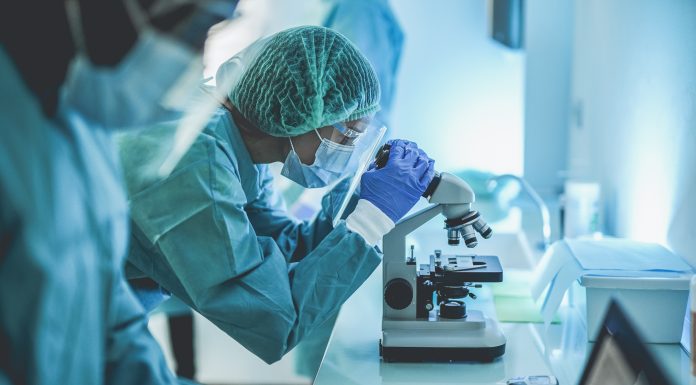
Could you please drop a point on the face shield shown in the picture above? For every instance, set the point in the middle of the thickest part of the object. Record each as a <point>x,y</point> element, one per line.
<point>339,152</point>
<point>366,147</point>
<point>339,155</point>
<point>349,133</point>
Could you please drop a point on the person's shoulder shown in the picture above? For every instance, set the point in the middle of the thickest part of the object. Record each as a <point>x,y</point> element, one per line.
<point>144,152</point>
<point>217,133</point>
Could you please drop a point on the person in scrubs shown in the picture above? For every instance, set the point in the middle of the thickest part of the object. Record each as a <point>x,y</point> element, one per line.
<point>215,232</point>
<point>67,315</point>
<point>374,28</point>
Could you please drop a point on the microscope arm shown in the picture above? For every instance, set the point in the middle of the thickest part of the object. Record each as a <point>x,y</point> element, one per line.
<point>450,196</point>
<point>394,243</point>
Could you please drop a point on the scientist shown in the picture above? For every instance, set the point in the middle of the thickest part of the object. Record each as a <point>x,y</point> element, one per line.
<point>216,234</point>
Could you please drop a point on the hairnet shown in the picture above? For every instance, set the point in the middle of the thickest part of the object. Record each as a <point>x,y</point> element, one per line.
<point>301,79</point>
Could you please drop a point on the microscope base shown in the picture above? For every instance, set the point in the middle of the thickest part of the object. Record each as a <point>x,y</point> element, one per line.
<point>475,338</point>
<point>415,354</point>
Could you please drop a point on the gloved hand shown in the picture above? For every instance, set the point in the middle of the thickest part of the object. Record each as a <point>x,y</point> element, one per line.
<point>396,187</point>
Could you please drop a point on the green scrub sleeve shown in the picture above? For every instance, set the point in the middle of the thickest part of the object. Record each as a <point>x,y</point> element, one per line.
<point>201,245</point>
<point>296,239</point>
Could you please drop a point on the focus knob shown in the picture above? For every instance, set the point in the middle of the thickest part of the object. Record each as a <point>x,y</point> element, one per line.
<point>398,293</point>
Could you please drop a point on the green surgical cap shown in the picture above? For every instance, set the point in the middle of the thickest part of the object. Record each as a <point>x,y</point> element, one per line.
<point>304,78</point>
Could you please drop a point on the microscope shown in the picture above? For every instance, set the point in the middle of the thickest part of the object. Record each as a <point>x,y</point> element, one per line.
<point>424,313</point>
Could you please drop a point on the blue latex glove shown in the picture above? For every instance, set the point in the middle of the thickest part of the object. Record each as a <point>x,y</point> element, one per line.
<point>395,188</point>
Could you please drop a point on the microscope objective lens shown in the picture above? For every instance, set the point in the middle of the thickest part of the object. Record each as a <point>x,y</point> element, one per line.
<point>469,236</point>
<point>482,227</point>
<point>453,236</point>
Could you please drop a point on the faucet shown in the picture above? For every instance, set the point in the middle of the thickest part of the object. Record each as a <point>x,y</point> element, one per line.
<point>543,209</point>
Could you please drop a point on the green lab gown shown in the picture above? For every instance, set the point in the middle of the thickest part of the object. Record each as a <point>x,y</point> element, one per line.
<point>216,234</point>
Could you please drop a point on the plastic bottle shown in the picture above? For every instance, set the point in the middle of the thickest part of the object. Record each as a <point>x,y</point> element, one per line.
<point>581,209</point>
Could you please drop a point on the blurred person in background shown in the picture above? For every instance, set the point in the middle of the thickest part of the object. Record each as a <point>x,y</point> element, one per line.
<point>70,74</point>
<point>373,27</point>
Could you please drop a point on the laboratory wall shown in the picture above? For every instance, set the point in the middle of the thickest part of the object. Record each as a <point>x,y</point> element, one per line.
<point>634,115</point>
<point>459,93</point>
<point>548,49</point>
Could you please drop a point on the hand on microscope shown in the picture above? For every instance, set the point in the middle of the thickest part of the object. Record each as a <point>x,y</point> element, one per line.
<point>396,187</point>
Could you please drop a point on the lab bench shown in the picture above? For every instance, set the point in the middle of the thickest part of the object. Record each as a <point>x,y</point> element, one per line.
<point>352,355</point>
<point>561,349</point>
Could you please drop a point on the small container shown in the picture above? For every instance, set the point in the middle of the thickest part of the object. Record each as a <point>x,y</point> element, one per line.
<point>655,305</point>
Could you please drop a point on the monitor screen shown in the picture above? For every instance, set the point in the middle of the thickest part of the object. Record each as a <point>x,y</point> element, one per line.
<point>619,357</point>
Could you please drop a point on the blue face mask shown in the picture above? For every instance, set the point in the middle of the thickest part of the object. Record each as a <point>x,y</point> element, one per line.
<point>158,76</point>
<point>331,163</point>
<point>149,82</point>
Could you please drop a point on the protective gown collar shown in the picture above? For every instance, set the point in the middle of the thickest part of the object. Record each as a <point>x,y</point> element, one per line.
<point>249,173</point>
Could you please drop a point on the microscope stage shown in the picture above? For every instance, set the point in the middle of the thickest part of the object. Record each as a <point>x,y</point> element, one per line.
<point>490,269</point>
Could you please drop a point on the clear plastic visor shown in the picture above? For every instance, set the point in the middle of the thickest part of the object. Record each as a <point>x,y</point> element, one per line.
<point>349,133</point>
